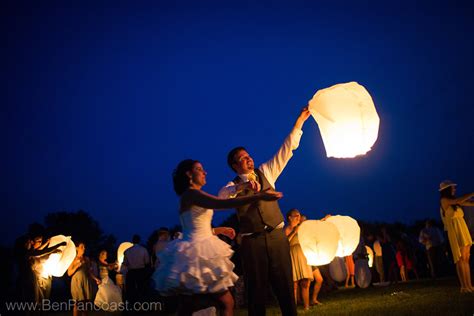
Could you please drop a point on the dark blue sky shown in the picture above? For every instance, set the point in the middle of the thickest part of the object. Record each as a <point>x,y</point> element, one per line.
<point>101,102</point>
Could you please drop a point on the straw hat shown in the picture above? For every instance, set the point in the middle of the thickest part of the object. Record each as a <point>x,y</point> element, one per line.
<point>445,184</point>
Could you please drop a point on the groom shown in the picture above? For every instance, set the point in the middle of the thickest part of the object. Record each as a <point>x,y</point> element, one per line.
<point>265,248</point>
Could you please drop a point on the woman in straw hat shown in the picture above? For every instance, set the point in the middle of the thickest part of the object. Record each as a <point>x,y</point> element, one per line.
<point>458,234</point>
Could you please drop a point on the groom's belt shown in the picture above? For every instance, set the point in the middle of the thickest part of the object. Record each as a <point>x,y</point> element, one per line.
<point>266,229</point>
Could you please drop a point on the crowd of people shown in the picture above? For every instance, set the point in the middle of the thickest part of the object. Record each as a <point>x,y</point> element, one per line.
<point>199,263</point>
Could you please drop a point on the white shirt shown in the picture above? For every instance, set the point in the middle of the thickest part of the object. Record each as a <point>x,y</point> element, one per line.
<point>270,169</point>
<point>273,167</point>
<point>136,257</point>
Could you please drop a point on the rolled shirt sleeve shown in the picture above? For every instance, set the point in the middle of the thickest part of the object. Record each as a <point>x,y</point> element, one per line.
<point>228,192</point>
<point>274,167</point>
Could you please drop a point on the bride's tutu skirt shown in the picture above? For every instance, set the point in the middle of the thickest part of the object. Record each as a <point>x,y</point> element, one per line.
<point>195,267</point>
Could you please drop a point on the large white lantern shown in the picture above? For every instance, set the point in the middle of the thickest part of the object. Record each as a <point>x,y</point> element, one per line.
<point>319,241</point>
<point>58,262</point>
<point>347,119</point>
<point>349,232</point>
<point>338,270</point>
<point>120,252</point>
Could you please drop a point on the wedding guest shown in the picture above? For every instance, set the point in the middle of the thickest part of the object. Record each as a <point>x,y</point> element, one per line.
<point>350,267</point>
<point>378,258</point>
<point>302,272</point>
<point>432,238</point>
<point>389,256</point>
<point>458,234</point>
<point>318,283</point>
<point>37,255</point>
<point>200,262</point>
<point>136,262</point>
<point>265,248</point>
<point>82,277</point>
<point>163,240</point>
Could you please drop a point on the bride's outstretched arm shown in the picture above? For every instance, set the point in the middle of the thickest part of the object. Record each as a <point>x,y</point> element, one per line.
<point>206,200</point>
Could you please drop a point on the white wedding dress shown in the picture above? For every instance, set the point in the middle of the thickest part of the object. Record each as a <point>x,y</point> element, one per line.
<point>199,263</point>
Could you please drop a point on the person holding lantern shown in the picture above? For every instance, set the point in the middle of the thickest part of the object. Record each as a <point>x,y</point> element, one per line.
<point>82,277</point>
<point>265,248</point>
<point>302,272</point>
<point>37,254</point>
<point>459,237</point>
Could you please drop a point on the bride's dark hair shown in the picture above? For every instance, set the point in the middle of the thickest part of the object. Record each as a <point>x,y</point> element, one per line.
<point>180,178</point>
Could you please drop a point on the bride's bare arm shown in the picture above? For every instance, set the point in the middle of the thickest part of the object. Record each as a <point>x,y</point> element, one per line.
<point>206,200</point>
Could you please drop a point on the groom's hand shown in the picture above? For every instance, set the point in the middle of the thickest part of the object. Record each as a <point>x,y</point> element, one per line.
<point>305,113</point>
<point>254,186</point>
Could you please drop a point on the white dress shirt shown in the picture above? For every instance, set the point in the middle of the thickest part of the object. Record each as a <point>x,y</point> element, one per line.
<point>136,257</point>
<point>272,168</point>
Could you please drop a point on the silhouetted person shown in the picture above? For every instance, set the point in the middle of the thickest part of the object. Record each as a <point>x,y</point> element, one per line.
<point>432,238</point>
<point>136,262</point>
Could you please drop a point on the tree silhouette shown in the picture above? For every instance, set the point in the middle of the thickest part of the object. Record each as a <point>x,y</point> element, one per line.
<point>81,227</point>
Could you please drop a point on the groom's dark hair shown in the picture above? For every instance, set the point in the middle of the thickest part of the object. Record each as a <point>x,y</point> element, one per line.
<point>231,154</point>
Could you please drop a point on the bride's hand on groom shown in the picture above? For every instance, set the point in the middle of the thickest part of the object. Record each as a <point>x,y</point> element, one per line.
<point>254,186</point>
<point>270,195</point>
<point>226,231</point>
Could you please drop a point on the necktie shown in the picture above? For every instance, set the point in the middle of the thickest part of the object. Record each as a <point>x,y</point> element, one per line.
<point>252,176</point>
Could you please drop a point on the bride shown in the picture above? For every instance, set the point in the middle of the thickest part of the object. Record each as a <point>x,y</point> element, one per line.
<point>200,262</point>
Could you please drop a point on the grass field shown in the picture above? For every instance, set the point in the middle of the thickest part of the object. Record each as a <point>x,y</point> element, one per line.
<point>425,297</point>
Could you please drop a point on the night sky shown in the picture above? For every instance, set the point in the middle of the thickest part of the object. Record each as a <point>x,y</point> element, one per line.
<point>102,101</point>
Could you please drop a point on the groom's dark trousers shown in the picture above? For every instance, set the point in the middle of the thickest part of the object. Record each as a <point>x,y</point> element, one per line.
<point>266,260</point>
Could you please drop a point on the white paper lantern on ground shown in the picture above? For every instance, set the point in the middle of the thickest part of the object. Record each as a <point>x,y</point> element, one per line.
<point>349,232</point>
<point>362,276</point>
<point>338,270</point>
<point>120,252</point>
<point>57,263</point>
<point>347,119</point>
<point>370,254</point>
<point>319,241</point>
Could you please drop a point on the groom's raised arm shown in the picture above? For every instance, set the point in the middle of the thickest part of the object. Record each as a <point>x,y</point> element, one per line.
<point>274,167</point>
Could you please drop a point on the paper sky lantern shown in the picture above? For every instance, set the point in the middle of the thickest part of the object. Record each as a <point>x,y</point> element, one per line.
<point>362,276</point>
<point>370,253</point>
<point>347,119</point>
<point>120,252</point>
<point>338,270</point>
<point>57,263</point>
<point>349,232</point>
<point>319,241</point>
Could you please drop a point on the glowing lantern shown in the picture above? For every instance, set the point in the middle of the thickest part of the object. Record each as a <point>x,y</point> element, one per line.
<point>370,253</point>
<point>347,119</point>
<point>349,232</point>
<point>120,252</point>
<point>319,241</point>
<point>338,270</point>
<point>58,262</point>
